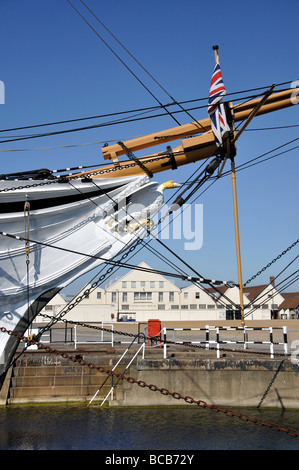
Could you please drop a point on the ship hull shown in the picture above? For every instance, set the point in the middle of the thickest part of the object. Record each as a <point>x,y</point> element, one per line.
<point>56,233</point>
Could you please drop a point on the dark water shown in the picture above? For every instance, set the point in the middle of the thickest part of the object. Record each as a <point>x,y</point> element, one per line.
<point>78,427</point>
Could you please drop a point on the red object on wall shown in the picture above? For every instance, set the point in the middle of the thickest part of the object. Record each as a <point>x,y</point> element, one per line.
<point>153,331</point>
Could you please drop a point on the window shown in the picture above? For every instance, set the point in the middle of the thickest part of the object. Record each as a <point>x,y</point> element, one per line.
<point>125,296</point>
<point>160,296</point>
<point>152,284</point>
<point>145,296</point>
<point>202,306</point>
<point>124,284</point>
<point>265,306</point>
<point>197,295</point>
<point>185,295</point>
<point>193,306</point>
<point>161,284</point>
<point>113,297</point>
<point>142,283</point>
<point>133,284</point>
<point>171,296</point>
<point>184,307</point>
<point>161,306</point>
<point>125,307</point>
<point>211,306</point>
<point>99,295</point>
<point>48,307</point>
<point>174,307</point>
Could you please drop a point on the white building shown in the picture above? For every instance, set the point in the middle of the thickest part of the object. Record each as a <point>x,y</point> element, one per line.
<point>289,308</point>
<point>142,295</point>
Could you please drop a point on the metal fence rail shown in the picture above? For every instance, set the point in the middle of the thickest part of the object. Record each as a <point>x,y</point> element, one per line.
<point>273,339</point>
<point>215,336</point>
<point>84,335</point>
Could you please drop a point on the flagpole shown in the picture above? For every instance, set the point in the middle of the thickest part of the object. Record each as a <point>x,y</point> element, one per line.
<point>240,282</point>
<point>215,49</point>
<point>236,220</point>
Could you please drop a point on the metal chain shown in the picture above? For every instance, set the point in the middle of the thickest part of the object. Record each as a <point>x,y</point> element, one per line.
<point>164,391</point>
<point>272,262</point>
<point>95,284</point>
<point>85,175</point>
<point>271,383</point>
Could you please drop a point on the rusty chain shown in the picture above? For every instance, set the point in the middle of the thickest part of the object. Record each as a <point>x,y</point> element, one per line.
<point>164,391</point>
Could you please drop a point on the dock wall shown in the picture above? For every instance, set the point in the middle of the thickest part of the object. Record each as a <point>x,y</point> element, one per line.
<point>225,382</point>
<point>228,381</point>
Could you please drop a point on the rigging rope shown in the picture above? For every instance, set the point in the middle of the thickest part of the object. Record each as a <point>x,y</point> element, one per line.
<point>125,65</point>
<point>114,263</point>
<point>152,108</point>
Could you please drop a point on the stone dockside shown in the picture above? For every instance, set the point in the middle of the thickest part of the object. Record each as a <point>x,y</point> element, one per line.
<point>233,380</point>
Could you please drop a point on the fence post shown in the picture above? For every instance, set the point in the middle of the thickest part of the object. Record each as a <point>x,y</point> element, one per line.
<point>207,337</point>
<point>271,342</point>
<point>164,338</point>
<point>75,328</point>
<point>285,339</point>
<point>217,340</point>
<point>245,337</point>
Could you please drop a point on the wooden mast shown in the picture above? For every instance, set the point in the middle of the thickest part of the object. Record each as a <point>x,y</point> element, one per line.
<point>236,220</point>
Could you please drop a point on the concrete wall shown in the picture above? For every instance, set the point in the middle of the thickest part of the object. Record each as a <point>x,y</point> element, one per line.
<point>226,382</point>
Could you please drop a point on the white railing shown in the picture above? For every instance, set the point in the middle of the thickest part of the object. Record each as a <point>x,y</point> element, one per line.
<point>93,336</point>
<point>210,337</point>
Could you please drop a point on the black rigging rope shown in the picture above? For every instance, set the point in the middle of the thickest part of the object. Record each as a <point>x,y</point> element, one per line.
<point>120,59</point>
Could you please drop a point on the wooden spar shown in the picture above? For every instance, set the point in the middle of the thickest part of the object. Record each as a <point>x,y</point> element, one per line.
<point>191,150</point>
<point>253,113</point>
<point>241,111</point>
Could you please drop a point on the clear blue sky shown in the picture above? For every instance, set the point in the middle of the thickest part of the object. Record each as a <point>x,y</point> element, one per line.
<point>55,68</point>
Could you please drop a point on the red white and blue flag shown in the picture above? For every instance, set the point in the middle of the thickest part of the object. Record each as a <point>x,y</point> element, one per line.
<point>215,106</point>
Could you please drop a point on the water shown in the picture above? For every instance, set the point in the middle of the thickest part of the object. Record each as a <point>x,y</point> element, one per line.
<point>78,427</point>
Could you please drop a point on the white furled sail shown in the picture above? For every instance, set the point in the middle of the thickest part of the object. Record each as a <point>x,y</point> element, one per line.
<point>70,228</point>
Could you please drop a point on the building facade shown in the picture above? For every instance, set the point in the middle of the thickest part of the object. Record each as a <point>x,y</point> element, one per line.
<point>142,295</point>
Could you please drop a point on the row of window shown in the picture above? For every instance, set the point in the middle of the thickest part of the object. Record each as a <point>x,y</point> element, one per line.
<point>145,295</point>
<point>141,296</point>
<point>186,307</point>
<point>176,307</point>
<point>133,284</point>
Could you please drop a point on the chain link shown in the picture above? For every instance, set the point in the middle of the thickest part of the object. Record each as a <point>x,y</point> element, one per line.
<point>67,178</point>
<point>271,383</point>
<point>271,262</point>
<point>164,391</point>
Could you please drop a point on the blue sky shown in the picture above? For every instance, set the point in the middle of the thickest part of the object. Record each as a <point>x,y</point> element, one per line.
<point>55,68</point>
